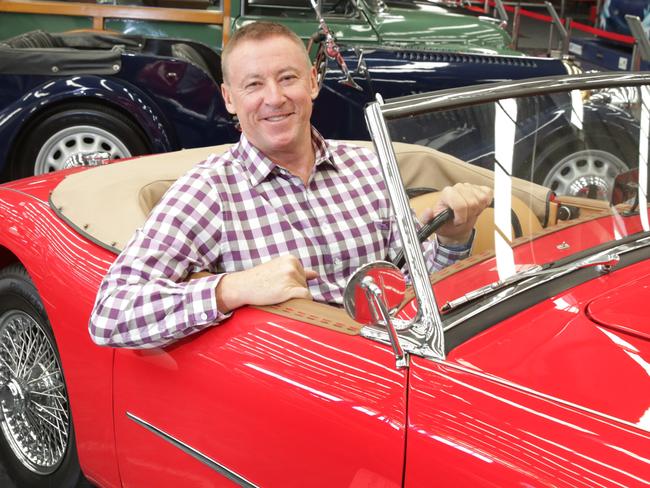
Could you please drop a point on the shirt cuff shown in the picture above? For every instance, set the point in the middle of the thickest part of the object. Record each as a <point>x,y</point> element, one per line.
<point>458,248</point>
<point>201,301</point>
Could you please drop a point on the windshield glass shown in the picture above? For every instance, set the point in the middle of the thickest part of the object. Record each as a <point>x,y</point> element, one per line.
<point>564,167</point>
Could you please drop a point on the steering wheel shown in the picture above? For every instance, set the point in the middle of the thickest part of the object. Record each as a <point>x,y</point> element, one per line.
<point>426,231</point>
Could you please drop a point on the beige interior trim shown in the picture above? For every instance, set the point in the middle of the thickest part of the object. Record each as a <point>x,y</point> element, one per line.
<point>586,205</point>
<point>104,202</point>
<point>315,313</point>
<point>449,170</point>
<point>110,202</point>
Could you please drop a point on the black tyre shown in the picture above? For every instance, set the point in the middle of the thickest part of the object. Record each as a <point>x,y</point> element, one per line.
<point>74,129</point>
<point>572,167</point>
<point>37,442</point>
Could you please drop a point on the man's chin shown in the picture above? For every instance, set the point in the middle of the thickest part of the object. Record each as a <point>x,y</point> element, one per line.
<point>279,143</point>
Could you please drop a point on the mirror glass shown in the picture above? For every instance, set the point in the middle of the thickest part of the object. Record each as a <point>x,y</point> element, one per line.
<point>357,301</point>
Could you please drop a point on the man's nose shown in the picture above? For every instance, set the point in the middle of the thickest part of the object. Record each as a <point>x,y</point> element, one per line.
<point>274,94</point>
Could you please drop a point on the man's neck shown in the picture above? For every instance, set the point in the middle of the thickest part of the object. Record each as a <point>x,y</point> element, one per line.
<point>299,161</point>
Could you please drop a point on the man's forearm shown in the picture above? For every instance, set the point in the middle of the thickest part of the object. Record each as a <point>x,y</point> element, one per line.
<point>153,313</point>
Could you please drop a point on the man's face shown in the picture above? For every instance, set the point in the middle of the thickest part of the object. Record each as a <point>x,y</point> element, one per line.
<point>271,87</point>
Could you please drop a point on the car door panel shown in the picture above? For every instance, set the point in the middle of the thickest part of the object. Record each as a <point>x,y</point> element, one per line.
<point>467,429</point>
<point>275,401</point>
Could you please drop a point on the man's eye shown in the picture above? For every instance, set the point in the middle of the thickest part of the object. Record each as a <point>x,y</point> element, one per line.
<point>252,84</point>
<point>288,78</point>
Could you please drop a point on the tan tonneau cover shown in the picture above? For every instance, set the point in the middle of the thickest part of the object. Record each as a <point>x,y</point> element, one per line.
<point>109,202</point>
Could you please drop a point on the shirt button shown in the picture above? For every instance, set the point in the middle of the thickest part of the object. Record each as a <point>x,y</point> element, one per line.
<point>204,316</point>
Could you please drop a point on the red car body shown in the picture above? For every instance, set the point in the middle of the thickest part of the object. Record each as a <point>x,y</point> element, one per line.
<point>550,387</point>
<point>284,403</point>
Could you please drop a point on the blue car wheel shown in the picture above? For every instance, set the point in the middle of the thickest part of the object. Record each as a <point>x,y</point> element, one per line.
<point>72,130</point>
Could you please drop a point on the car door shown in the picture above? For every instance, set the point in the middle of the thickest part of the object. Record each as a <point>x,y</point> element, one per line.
<point>260,400</point>
<point>467,428</point>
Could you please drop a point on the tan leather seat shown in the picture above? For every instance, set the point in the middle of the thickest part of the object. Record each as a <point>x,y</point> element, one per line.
<point>151,193</point>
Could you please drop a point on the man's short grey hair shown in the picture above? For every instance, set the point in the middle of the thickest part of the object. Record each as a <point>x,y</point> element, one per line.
<point>258,31</point>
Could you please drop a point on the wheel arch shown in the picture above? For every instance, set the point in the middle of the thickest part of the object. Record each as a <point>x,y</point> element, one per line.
<point>157,131</point>
<point>42,113</point>
<point>7,257</point>
<point>102,469</point>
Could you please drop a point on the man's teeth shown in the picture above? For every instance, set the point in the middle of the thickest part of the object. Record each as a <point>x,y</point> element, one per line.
<point>275,118</point>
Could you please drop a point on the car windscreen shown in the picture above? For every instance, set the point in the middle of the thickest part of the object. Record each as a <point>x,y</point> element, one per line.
<point>564,165</point>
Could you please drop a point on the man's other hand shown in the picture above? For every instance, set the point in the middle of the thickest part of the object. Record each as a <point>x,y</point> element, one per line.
<point>269,283</point>
<point>467,201</point>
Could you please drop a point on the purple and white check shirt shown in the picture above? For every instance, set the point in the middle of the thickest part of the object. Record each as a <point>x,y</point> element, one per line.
<point>238,210</point>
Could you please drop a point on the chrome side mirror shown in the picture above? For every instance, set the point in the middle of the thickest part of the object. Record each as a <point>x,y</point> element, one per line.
<point>371,294</point>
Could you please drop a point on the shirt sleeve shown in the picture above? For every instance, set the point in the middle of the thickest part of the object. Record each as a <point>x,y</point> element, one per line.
<point>146,299</point>
<point>438,256</point>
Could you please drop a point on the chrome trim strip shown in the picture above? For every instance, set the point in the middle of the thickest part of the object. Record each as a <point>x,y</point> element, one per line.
<point>535,281</point>
<point>196,454</point>
<point>490,92</point>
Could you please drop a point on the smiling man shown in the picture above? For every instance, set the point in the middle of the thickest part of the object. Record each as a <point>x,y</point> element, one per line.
<point>283,214</point>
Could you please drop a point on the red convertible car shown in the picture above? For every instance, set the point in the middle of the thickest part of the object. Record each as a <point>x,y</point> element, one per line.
<point>526,364</point>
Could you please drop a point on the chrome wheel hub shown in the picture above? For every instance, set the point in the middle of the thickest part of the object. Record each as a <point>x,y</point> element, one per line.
<point>80,139</point>
<point>587,173</point>
<point>34,410</point>
<point>12,398</point>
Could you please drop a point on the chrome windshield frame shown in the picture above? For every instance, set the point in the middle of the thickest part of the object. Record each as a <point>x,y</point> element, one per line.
<point>490,92</point>
<point>426,328</point>
<point>424,335</point>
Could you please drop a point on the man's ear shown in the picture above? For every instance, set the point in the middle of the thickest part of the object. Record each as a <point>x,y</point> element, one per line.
<point>313,83</point>
<point>225,93</point>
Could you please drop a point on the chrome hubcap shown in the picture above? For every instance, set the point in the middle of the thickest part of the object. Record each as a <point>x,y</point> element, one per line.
<point>34,410</point>
<point>587,173</point>
<point>80,139</point>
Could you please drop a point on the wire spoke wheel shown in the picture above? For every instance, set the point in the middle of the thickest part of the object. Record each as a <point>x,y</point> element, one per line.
<point>33,399</point>
<point>81,139</point>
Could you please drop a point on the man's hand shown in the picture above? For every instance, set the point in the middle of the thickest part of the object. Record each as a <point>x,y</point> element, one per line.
<point>273,282</point>
<point>467,201</point>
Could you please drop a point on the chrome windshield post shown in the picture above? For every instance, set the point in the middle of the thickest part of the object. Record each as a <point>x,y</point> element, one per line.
<point>426,327</point>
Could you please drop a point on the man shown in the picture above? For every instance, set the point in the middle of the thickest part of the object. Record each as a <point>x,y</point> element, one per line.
<point>284,214</point>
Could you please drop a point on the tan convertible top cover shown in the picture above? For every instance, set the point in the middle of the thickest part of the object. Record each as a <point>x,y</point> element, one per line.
<point>108,203</point>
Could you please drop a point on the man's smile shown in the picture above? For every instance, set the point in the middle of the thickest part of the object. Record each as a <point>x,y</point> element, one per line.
<point>277,117</point>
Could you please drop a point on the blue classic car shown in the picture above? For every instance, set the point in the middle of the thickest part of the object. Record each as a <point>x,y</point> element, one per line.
<point>118,96</point>
<point>89,93</point>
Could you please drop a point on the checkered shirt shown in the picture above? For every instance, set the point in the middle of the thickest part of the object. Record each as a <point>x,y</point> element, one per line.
<point>238,210</point>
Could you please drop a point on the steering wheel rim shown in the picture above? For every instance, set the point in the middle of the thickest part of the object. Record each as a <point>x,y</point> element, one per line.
<point>425,232</point>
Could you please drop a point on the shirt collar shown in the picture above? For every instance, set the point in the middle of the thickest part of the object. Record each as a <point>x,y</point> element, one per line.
<point>259,166</point>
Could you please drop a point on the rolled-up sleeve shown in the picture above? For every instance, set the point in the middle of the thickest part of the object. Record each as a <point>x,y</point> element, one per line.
<point>146,299</point>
